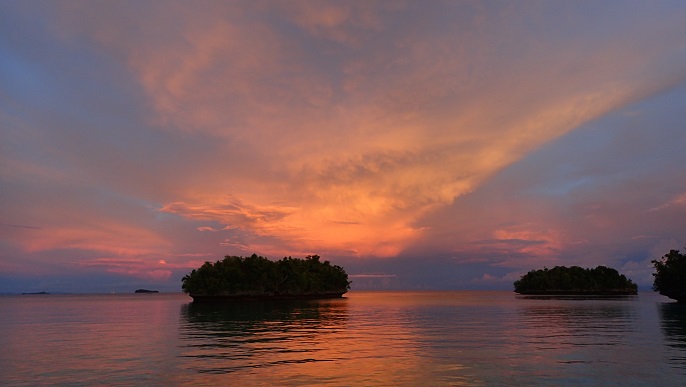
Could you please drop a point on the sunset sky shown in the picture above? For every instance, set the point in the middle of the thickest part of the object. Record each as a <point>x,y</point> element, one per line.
<point>420,145</point>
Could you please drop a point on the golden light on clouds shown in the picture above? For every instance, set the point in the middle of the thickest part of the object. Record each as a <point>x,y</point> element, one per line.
<point>112,239</point>
<point>351,129</point>
<point>353,198</point>
<point>354,156</point>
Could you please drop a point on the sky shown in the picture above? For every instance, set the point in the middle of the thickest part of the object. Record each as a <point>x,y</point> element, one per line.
<point>420,145</point>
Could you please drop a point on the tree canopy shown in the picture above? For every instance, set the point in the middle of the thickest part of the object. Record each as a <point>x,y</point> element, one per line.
<point>670,275</point>
<point>258,276</point>
<point>575,280</point>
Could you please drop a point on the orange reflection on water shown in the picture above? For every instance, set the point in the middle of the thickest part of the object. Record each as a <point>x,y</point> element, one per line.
<point>64,336</point>
<point>313,342</point>
<point>367,338</point>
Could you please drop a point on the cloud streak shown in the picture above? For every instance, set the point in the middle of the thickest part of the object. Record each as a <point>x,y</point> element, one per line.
<point>405,151</point>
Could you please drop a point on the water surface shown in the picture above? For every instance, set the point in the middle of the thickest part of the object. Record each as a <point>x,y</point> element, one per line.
<point>366,338</point>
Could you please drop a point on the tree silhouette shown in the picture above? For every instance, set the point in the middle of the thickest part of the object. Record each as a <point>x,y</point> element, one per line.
<point>575,280</point>
<point>670,275</point>
<point>257,276</point>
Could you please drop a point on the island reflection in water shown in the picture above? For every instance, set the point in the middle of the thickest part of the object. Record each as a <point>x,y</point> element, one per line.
<point>673,326</point>
<point>368,340</point>
<point>451,338</point>
<point>238,336</point>
<point>584,336</point>
<point>577,321</point>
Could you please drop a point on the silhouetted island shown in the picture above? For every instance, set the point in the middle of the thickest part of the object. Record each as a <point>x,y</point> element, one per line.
<point>37,293</point>
<point>575,280</point>
<point>670,275</point>
<point>256,277</point>
<point>146,291</point>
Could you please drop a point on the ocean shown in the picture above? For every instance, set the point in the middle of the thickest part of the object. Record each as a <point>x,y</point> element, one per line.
<point>471,338</point>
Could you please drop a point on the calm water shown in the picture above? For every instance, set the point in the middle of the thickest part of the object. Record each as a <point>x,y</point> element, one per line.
<point>399,338</point>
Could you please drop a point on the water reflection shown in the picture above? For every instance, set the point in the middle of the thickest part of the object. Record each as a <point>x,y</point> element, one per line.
<point>585,336</point>
<point>557,324</point>
<point>578,297</point>
<point>251,315</point>
<point>361,340</point>
<point>673,324</point>
<point>231,337</point>
<point>369,338</point>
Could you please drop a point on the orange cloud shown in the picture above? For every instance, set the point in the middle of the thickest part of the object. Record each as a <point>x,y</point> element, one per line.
<point>109,238</point>
<point>679,200</point>
<point>353,168</point>
<point>351,122</point>
<point>132,267</point>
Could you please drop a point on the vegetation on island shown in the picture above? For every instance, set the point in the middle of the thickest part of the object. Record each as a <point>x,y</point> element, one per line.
<point>575,280</point>
<point>146,291</point>
<point>258,277</point>
<point>670,275</point>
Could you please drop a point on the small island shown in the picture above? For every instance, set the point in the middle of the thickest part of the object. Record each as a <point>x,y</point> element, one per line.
<point>146,291</point>
<point>561,280</point>
<point>256,277</point>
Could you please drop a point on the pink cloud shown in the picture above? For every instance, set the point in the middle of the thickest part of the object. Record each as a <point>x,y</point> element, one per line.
<point>401,156</point>
<point>139,268</point>
<point>114,238</point>
<point>206,228</point>
<point>358,129</point>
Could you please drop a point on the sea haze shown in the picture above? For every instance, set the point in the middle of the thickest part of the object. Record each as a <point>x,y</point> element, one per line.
<point>365,338</point>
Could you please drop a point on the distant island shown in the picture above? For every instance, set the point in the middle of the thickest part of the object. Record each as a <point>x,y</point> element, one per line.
<point>575,280</point>
<point>146,291</point>
<point>256,277</point>
<point>37,293</point>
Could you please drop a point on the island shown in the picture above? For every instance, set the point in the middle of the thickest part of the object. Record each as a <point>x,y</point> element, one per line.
<point>575,280</point>
<point>258,278</point>
<point>670,276</point>
<point>146,291</point>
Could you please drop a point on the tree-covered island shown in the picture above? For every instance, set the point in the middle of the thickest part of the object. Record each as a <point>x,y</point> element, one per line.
<point>575,280</point>
<point>670,275</point>
<point>256,277</point>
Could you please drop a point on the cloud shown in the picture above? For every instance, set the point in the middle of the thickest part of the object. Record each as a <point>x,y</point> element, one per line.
<point>371,276</point>
<point>20,226</point>
<point>595,196</point>
<point>105,239</point>
<point>205,228</point>
<point>131,267</point>
<point>680,200</point>
<point>407,141</point>
<point>493,134</point>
